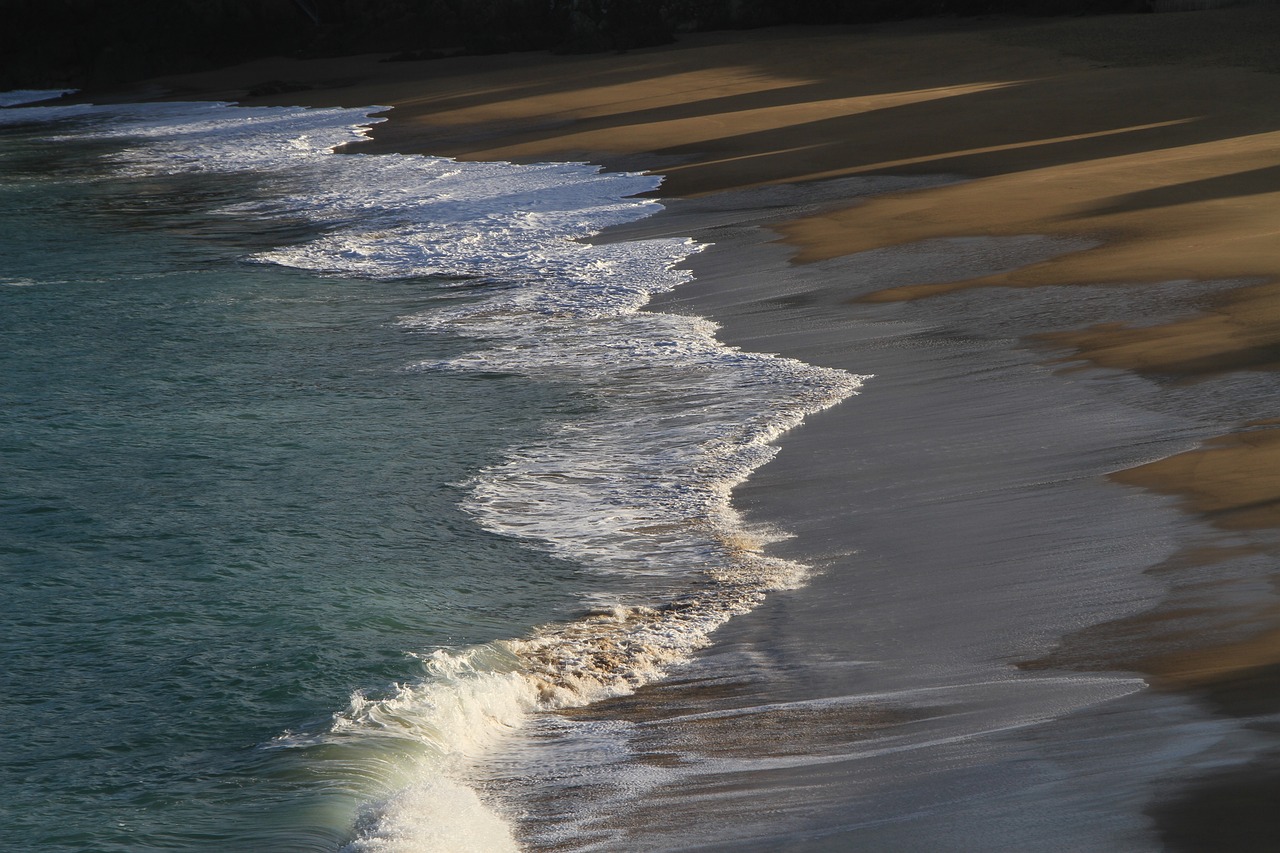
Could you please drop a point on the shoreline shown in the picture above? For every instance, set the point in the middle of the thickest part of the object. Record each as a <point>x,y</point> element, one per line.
<point>926,590</point>
<point>1169,174</point>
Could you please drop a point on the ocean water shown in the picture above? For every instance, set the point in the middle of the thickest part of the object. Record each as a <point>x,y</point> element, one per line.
<point>322,473</point>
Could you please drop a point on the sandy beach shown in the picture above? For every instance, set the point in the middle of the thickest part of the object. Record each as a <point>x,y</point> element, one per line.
<point>1054,243</point>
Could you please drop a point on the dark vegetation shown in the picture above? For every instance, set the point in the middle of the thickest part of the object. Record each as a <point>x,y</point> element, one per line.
<point>104,42</point>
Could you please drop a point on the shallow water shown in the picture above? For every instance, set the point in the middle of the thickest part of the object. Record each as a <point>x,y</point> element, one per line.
<point>960,523</point>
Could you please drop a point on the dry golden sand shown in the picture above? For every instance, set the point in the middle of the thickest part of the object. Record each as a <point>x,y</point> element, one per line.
<point>1156,135</point>
<point>1233,480</point>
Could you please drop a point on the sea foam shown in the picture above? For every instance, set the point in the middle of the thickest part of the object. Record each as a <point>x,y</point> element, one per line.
<point>635,489</point>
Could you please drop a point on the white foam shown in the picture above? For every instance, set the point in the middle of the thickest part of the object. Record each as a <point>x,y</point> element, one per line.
<point>433,814</point>
<point>636,488</point>
<point>40,115</point>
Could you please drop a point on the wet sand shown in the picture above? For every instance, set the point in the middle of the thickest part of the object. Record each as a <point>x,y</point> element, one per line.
<point>1060,484</point>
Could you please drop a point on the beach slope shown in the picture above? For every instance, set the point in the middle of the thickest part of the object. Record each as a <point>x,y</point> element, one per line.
<point>1055,244</point>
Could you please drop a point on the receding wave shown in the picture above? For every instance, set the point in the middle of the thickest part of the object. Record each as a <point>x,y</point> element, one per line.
<point>635,488</point>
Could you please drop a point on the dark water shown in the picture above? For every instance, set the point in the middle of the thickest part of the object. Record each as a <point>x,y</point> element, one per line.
<point>227,501</point>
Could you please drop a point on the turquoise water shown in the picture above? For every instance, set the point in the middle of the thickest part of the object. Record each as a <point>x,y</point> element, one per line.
<point>227,501</point>
<point>323,474</point>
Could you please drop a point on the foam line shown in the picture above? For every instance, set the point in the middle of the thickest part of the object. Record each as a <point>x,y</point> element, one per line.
<point>637,487</point>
